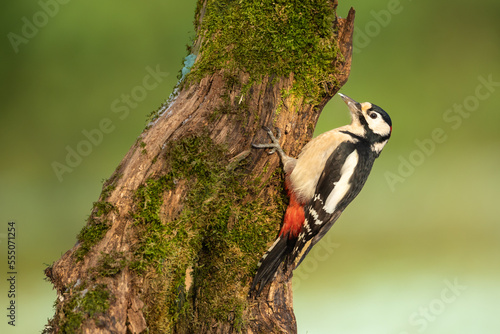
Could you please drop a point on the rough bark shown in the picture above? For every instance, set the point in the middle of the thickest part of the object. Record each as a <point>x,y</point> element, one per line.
<point>132,271</point>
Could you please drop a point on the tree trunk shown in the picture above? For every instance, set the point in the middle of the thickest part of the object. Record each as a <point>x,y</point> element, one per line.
<point>173,242</point>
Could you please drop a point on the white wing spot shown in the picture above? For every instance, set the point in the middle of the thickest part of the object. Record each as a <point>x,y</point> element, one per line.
<point>315,215</point>
<point>307,228</point>
<point>342,185</point>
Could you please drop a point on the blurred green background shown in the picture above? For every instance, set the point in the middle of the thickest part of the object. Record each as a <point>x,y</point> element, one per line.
<point>417,252</point>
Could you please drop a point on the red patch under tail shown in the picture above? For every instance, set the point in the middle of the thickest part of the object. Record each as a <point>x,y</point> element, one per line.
<point>294,215</point>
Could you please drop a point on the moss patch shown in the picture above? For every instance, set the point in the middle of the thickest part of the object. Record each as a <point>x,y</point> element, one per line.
<point>109,265</point>
<point>278,37</point>
<point>97,225</point>
<point>154,247</point>
<point>222,230</point>
<point>83,302</point>
<point>90,235</point>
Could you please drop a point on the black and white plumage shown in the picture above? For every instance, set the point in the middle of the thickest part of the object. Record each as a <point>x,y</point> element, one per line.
<point>328,174</point>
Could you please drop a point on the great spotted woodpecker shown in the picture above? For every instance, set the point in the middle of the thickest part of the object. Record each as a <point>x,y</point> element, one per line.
<point>328,174</point>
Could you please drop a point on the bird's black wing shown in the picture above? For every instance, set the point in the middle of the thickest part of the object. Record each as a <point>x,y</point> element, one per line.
<point>317,220</point>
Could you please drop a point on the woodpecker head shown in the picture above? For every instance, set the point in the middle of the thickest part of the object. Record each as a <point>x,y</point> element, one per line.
<point>369,121</point>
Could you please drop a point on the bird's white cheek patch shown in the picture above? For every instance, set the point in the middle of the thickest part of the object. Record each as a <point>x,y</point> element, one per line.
<point>380,127</point>
<point>342,186</point>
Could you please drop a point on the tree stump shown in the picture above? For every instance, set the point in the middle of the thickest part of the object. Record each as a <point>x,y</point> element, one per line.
<point>173,241</point>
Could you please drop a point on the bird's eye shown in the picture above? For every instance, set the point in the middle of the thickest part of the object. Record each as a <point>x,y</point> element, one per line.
<point>373,115</point>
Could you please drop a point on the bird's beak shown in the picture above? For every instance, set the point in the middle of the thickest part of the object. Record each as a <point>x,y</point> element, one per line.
<point>354,107</point>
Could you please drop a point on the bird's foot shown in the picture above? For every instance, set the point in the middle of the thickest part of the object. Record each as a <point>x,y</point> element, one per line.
<point>275,145</point>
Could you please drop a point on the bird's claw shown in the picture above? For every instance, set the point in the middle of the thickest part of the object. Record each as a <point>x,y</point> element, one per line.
<point>275,145</point>
<point>270,133</point>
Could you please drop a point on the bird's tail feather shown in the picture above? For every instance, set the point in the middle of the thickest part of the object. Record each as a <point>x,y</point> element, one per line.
<point>270,262</point>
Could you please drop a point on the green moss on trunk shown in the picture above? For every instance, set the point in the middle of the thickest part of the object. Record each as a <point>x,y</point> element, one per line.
<point>97,224</point>
<point>84,302</point>
<point>223,228</point>
<point>270,37</point>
